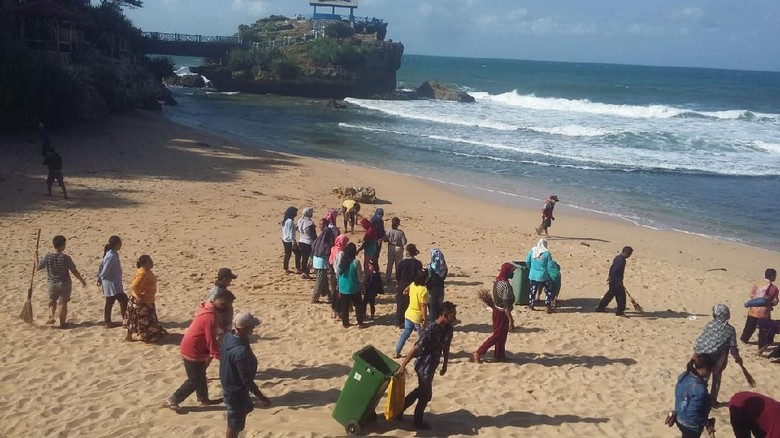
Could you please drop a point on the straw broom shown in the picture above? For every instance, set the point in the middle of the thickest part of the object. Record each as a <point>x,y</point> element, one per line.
<point>27,313</point>
<point>751,381</point>
<point>486,298</point>
<point>636,305</point>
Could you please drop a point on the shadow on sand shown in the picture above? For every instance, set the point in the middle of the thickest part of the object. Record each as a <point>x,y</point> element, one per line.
<point>327,371</point>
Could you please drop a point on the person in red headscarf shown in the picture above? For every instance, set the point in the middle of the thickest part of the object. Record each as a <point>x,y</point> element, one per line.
<point>501,302</point>
<point>753,414</point>
<point>369,246</point>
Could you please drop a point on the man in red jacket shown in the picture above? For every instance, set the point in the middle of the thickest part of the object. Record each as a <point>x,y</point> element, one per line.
<point>198,347</point>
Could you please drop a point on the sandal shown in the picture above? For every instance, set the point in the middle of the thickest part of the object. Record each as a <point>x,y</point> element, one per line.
<point>172,405</point>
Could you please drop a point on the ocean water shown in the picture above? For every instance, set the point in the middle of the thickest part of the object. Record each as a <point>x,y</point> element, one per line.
<point>694,150</point>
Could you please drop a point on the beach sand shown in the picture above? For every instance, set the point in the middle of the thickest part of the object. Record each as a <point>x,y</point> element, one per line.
<point>196,203</point>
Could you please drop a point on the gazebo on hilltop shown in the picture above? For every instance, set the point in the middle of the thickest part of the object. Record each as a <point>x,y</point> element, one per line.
<point>333,4</point>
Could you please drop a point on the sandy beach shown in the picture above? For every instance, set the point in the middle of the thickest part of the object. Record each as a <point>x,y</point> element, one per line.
<point>197,203</point>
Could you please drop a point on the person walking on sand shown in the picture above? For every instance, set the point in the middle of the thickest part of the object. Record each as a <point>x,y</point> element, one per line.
<point>288,240</point>
<point>350,286</point>
<point>396,241</point>
<point>501,302</point>
<point>320,254</point>
<point>615,281</point>
<point>404,275</point>
<point>547,215</point>
<point>53,162</point>
<point>539,260</point>
<point>110,279</point>
<point>198,347</point>
<point>378,223</point>
<point>307,233</point>
<point>58,267</point>
<point>437,273</point>
<point>370,243</point>
<point>350,209</point>
<point>433,344</point>
<point>416,313</point>
<point>692,404</point>
<point>754,415</point>
<point>225,277</point>
<point>717,340</point>
<point>142,313</point>
<point>237,370</point>
<point>373,286</point>
<point>765,289</point>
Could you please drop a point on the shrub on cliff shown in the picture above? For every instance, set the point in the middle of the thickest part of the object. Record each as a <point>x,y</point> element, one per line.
<point>331,51</point>
<point>286,69</point>
<point>162,67</point>
<point>339,29</point>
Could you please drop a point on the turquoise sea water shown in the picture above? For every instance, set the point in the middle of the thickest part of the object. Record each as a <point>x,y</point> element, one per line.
<point>696,150</point>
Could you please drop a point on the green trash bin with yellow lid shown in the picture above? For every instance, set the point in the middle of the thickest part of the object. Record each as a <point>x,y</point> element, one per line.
<point>365,385</point>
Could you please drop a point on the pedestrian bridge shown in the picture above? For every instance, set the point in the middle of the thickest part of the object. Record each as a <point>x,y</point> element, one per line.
<point>179,44</point>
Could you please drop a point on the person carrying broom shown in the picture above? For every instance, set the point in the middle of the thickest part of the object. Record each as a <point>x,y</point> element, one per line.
<point>58,267</point>
<point>501,303</point>
<point>615,280</point>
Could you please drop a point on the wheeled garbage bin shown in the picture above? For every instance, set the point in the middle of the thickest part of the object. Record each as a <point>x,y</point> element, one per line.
<point>365,385</point>
<point>521,286</point>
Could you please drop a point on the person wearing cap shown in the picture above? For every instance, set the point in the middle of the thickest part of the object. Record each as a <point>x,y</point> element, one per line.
<point>225,276</point>
<point>547,215</point>
<point>237,370</point>
<point>405,273</point>
<point>198,347</point>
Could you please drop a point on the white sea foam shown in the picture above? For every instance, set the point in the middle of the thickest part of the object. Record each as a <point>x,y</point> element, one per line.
<point>773,148</point>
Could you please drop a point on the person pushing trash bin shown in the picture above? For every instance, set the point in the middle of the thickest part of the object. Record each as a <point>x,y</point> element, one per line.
<point>434,343</point>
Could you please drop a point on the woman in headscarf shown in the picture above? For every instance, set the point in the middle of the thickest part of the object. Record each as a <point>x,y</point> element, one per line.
<point>718,339</point>
<point>378,223</point>
<point>320,254</point>
<point>288,240</point>
<point>501,302</point>
<point>437,272</point>
<point>539,261</point>
<point>307,233</point>
<point>331,218</point>
<point>370,241</point>
<point>350,286</point>
<point>339,245</point>
<point>404,275</point>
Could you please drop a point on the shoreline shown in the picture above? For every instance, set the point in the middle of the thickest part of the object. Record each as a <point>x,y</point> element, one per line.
<point>196,202</point>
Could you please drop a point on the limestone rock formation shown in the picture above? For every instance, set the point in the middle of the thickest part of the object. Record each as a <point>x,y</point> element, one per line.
<point>188,81</point>
<point>363,195</point>
<point>435,90</point>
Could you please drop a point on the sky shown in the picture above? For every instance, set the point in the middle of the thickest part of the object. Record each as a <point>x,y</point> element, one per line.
<point>687,33</point>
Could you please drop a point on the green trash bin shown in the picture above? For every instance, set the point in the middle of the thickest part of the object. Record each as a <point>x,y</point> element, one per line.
<point>520,284</point>
<point>366,383</point>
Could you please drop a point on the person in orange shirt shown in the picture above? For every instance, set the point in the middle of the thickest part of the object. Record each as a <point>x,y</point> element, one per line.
<point>142,314</point>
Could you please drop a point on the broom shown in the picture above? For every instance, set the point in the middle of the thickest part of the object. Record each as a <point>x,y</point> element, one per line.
<point>751,381</point>
<point>636,305</point>
<point>27,313</point>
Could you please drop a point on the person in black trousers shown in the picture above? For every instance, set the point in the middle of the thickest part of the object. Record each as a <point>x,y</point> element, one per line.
<point>616,288</point>
<point>404,275</point>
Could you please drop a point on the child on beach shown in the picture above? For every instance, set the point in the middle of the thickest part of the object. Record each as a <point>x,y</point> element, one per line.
<point>58,268</point>
<point>110,279</point>
<point>416,312</point>
<point>142,313</point>
<point>692,403</point>
<point>53,161</point>
<point>373,286</point>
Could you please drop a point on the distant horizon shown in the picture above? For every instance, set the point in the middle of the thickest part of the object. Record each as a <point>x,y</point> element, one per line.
<point>709,34</point>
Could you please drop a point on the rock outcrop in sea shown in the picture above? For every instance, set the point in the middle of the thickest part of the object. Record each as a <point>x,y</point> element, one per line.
<point>435,90</point>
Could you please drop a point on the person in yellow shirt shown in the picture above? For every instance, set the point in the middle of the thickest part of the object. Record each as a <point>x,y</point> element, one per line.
<point>417,311</point>
<point>142,314</point>
<point>350,209</point>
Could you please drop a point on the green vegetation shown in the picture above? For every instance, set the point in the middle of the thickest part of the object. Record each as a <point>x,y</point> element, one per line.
<point>339,29</point>
<point>162,67</point>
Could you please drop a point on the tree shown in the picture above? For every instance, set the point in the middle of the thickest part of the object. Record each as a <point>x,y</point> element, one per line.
<point>339,29</point>
<point>123,3</point>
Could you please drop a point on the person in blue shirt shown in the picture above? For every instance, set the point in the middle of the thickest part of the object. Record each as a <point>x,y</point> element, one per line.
<point>237,370</point>
<point>692,402</point>
<point>539,260</point>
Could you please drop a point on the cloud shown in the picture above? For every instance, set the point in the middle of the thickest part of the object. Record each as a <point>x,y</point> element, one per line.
<point>256,7</point>
<point>687,14</point>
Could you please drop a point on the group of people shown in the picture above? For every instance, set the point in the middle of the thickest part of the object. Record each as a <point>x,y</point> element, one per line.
<point>750,413</point>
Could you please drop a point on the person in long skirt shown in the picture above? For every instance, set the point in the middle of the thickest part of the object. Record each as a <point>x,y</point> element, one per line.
<point>142,313</point>
<point>320,254</point>
<point>110,279</point>
<point>501,303</point>
<point>437,273</point>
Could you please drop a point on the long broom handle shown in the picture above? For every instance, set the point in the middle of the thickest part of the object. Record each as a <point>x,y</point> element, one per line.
<point>32,277</point>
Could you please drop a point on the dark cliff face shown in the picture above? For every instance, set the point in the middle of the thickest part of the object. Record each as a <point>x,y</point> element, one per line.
<point>377,75</point>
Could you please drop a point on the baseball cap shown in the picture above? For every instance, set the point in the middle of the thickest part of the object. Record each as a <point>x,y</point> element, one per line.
<point>226,273</point>
<point>245,319</point>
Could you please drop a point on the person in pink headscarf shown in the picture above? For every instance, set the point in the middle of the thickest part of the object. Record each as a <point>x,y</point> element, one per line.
<point>501,303</point>
<point>339,245</point>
